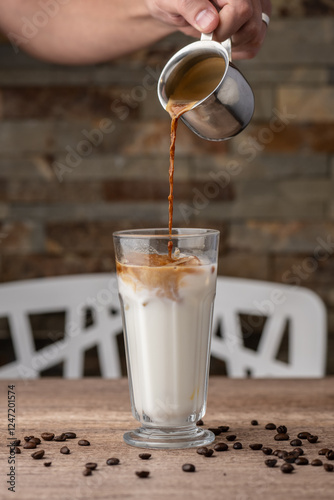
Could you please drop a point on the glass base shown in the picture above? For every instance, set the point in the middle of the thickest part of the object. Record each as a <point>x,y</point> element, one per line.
<point>168,438</point>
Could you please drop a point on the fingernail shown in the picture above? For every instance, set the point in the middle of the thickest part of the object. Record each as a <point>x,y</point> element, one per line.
<point>205,18</point>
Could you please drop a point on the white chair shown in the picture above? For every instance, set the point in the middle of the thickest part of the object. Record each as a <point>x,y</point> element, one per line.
<point>279,303</point>
<point>75,294</point>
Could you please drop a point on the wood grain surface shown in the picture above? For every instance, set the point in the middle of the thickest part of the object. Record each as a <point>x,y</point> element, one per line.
<point>99,410</point>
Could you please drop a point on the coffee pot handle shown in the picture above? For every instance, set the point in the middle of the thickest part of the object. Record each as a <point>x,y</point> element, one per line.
<point>227,44</point>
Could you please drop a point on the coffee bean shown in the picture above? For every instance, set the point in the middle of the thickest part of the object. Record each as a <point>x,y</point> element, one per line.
<point>254,422</point>
<point>329,467</point>
<point>316,462</point>
<point>323,451</point>
<point>202,450</point>
<point>300,451</point>
<point>188,468</point>
<point>70,435</point>
<point>267,451</point>
<point>91,465</point>
<point>301,461</point>
<point>270,426</point>
<point>60,437</point>
<point>237,445</point>
<point>47,464</point>
<point>294,453</point>
<point>231,437</point>
<point>281,429</point>
<point>64,450</point>
<point>16,442</point>
<point>112,461</point>
<point>27,438</point>
<point>296,442</point>
<point>287,468</point>
<point>17,450</point>
<point>303,435</point>
<point>47,436</point>
<point>281,437</point>
<point>224,428</point>
<point>83,442</point>
<point>200,422</point>
<point>209,453</point>
<point>270,462</point>
<point>215,430</point>
<point>35,440</point>
<point>87,472</point>
<point>220,447</point>
<point>255,446</point>
<point>37,455</point>
<point>290,458</point>
<point>30,445</point>
<point>143,473</point>
<point>280,453</point>
<point>312,439</point>
<point>145,456</point>
<point>330,455</point>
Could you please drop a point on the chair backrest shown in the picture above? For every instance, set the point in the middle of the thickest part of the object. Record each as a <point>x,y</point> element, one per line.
<point>304,311</point>
<point>98,292</point>
<point>73,295</point>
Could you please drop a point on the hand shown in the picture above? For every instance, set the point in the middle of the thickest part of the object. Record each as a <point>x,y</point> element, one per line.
<point>239,19</point>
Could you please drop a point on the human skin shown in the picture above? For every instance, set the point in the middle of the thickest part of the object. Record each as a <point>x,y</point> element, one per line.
<point>93,31</point>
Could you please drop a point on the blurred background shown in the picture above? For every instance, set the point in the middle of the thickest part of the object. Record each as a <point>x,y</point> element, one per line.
<point>84,152</point>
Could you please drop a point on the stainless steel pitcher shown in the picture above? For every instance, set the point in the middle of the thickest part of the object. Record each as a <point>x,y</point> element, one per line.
<point>228,109</point>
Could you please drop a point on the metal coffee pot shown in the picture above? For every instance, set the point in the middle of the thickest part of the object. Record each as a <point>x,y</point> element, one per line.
<point>228,109</point>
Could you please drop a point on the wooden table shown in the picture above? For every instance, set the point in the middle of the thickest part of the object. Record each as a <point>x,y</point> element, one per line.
<point>99,410</point>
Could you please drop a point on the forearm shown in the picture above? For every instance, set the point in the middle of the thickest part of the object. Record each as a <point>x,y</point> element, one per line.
<point>80,31</point>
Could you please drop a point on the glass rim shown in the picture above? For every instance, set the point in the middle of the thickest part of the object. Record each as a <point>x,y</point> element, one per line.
<point>163,233</point>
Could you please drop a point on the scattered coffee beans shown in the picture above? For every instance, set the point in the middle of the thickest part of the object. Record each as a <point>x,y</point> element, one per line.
<point>27,438</point>
<point>323,451</point>
<point>329,467</point>
<point>200,422</point>
<point>330,455</point>
<point>316,462</point>
<point>83,442</point>
<point>231,437</point>
<point>202,450</point>
<point>312,439</point>
<point>35,440</point>
<point>220,447</point>
<point>280,453</point>
<point>16,442</point>
<point>215,430</point>
<point>47,436</point>
<point>29,445</point>
<point>70,435</point>
<point>17,450</point>
<point>301,461</point>
<point>270,426</point>
<point>112,461</point>
<point>296,442</point>
<point>287,468</point>
<point>299,451</point>
<point>237,445</point>
<point>209,453</point>
<point>143,473</point>
<point>60,437</point>
<point>281,429</point>
<point>254,422</point>
<point>267,451</point>
<point>303,435</point>
<point>37,455</point>
<point>64,450</point>
<point>47,464</point>
<point>224,428</point>
<point>87,472</point>
<point>281,436</point>
<point>145,456</point>
<point>255,446</point>
<point>91,465</point>
<point>290,458</point>
<point>270,462</point>
<point>188,468</point>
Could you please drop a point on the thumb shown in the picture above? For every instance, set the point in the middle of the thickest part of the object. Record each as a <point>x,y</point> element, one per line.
<point>201,14</point>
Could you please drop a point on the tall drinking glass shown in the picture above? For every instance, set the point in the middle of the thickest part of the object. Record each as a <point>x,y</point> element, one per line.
<point>167,298</point>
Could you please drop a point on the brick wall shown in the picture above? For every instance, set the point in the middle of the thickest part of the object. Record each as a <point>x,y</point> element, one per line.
<point>84,151</point>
